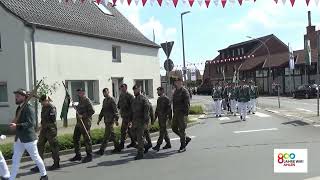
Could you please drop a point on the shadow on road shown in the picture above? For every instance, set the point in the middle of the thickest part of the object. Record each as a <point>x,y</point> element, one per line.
<point>296,123</point>
<point>231,122</point>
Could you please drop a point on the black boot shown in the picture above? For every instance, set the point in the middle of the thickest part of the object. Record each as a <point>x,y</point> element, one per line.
<point>167,146</point>
<point>44,177</point>
<point>139,156</point>
<point>77,157</point>
<point>121,146</point>
<point>156,148</point>
<point>182,149</point>
<point>35,169</point>
<point>87,159</point>
<point>132,145</point>
<point>55,166</point>
<point>115,150</point>
<point>100,152</point>
<point>188,139</point>
<point>147,147</point>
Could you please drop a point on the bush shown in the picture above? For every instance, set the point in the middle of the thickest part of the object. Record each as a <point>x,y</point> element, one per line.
<point>196,109</point>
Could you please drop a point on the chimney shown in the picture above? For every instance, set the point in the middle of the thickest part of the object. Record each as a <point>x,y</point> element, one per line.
<point>309,18</point>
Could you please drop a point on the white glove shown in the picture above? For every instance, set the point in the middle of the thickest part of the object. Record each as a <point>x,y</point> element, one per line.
<point>3,137</point>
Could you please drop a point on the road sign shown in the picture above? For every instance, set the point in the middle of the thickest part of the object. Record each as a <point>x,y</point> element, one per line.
<point>168,65</point>
<point>167,47</point>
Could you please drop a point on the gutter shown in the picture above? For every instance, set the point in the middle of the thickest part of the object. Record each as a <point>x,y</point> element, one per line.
<point>34,67</point>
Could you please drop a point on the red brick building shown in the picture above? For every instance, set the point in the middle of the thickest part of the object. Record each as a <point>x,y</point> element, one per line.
<point>264,60</point>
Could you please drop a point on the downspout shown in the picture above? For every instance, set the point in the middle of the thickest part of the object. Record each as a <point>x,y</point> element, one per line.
<point>34,67</point>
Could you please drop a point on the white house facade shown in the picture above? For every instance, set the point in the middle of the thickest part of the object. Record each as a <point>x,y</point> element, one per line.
<point>74,47</point>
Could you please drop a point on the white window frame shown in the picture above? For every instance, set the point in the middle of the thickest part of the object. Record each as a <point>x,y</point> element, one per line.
<point>118,53</point>
<point>96,92</point>
<point>5,103</point>
<point>150,86</point>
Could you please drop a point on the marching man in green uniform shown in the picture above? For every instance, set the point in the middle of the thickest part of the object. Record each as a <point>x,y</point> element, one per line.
<point>181,106</point>
<point>140,109</point>
<point>217,99</point>
<point>84,112</point>
<point>233,99</point>
<point>110,114</point>
<point>163,113</point>
<point>125,107</point>
<point>48,132</point>
<point>253,97</point>
<point>243,98</point>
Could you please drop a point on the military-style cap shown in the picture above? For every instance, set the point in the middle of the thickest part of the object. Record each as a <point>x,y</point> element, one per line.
<point>44,98</point>
<point>160,88</point>
<point>21,92</point>
<point>135,87</point>
<point>123,85</point>
<point>80,90</point>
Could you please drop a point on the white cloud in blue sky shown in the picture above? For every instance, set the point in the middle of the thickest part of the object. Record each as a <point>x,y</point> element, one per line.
<point>208,30</point>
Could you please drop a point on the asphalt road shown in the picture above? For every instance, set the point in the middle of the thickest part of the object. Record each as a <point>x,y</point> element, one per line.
<point>221,149</point>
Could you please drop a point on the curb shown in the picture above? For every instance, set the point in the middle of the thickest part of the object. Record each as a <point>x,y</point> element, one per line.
<point>290,117</point>
<point>94,147</point>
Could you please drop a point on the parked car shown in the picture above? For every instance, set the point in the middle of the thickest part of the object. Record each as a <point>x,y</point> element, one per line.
<point>305,91</point>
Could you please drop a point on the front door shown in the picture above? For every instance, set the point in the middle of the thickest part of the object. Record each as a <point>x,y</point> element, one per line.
<point>116,82</point>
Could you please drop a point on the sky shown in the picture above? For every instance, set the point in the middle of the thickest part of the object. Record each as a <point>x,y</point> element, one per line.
<point>207,30</point>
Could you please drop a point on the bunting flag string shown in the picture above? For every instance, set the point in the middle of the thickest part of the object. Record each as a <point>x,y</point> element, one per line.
<point>190,3</point>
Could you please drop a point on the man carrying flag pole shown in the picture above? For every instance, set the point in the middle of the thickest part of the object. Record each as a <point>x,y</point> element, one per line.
<point>307,58</point>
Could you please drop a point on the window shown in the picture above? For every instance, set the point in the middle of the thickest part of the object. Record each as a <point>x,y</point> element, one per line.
<point>146,86</point>
<point>116,54</point>
<point>238,51</point>
<point>91,88</point>
<point>103,8</point>
<point>242,51</point>
<point>3,93</point>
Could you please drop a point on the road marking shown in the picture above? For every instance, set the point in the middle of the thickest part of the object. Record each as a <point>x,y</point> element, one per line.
<point>175,139</point>
<point>256,130</point>
<point>202,116</point>
<point>224,118</point>
<point>316,125</point>
<point>277,112</point>
<point>301,109</point>
<point>262,115</point>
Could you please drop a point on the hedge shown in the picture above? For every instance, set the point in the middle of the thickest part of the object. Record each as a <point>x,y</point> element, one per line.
<point>66,141</point>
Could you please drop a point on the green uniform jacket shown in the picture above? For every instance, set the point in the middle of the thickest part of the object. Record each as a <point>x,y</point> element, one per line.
<point>85,108</point>
<point>217,93</point>
<point>48,117</point>
<point>140,110</point>
<point>163,110</point>
<point>233,93</point>
<point>124,104</point>
<point>109,110</point>
<point>26,123</point>
<point>181,101</point>
<point>253,92</point>
<point>244,94</point>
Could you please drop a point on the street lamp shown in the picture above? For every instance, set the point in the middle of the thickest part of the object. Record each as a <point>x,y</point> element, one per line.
<point>265,45</point>
<point>184,60</point>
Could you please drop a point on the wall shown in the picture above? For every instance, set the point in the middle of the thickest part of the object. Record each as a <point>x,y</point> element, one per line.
<point>13,61</point>
<point>62,56</point>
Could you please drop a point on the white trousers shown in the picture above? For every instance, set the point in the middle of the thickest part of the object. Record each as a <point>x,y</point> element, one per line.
<point>4,171</point>
<point>217,107</point>
<point>243,109</point>
<point>253,105</point>
<point>233,106</point>
<point>18,150</point>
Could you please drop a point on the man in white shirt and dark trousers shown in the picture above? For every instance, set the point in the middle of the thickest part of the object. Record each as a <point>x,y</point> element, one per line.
<point>26,138</point>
